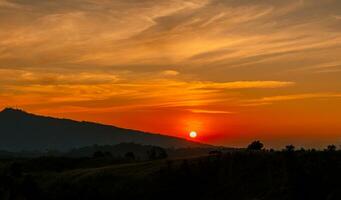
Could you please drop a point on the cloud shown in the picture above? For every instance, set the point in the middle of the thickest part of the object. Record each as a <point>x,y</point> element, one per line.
<point>170,73</point>
<point>272,99</point>
<point>121,89</point>
<point>338,17</point>
<point>146,35</point>
<point>8,4</point>
<point>26,77</point>
<point>243,85</point>
<point>210,111</point>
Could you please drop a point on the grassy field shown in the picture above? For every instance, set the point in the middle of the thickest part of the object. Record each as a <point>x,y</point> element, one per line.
<point>237,175</point>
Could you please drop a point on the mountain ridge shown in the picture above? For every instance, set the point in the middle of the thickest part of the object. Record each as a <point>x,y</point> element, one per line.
<point>21,130</point>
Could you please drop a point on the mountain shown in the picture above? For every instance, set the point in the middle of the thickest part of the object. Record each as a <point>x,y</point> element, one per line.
<point>22,131</point>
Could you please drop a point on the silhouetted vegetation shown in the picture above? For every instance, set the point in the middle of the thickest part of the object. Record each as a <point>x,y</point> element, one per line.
<point>130,156</point>
<point>157,153</point>
<point>331,148</point>
<point>290,148</point>
<point>255,146</point>
<point>215,153</point>
<point>239,174</point>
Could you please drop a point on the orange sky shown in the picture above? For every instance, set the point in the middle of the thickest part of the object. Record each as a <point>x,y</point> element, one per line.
<point>232,70</point>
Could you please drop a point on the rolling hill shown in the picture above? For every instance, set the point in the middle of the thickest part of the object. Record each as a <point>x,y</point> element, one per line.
<point>20,130</point>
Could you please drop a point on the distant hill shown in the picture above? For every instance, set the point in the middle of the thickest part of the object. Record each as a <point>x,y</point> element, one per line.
<point>20,131</point>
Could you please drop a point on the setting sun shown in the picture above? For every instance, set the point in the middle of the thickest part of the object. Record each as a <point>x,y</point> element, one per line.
<point>193,134</point>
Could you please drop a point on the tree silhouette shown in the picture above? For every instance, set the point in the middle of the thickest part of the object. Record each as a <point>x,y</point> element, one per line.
<point>290,148</point>
<point>130,156</point>
<point>215,153</point>
<point>331,148</point>
<point>98,154</point>
<point>255,146</point>
<point>157,153</point>
<point>162,153</point>
<point>107,154</point>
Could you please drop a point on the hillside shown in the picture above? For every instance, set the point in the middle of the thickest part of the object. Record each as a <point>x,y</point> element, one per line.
<point>20,130</point>
<point>239,175</point>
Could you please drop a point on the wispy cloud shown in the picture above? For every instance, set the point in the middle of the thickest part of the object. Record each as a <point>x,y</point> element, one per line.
<point>338,17</point>
<point>123,88</point>
<point>242,85</point>
<point>210,111</point>
<point>170,72</point>
<point>272,99</point>
<point>8,4</point>
<point>181,33</point>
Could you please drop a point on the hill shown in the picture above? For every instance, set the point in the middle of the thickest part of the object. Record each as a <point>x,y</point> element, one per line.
<point>20,130</point>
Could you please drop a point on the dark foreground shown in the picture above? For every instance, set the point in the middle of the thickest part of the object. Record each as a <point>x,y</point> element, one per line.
<point>238,175</point>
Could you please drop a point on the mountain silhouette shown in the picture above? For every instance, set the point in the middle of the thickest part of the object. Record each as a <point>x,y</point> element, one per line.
<point>20,131</point>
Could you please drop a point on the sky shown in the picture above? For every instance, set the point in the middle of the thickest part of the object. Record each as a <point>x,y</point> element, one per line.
<point>232,70</point>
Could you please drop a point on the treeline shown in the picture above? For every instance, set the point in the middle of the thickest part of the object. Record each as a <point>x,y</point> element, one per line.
<point>119,151</point>
<point>132,151</point>
<point>258,146</point>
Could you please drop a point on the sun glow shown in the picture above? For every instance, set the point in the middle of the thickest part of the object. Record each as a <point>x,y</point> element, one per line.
<point>193,134</point>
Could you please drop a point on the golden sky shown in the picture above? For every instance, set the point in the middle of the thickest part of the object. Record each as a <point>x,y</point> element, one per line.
<point>232,70</point>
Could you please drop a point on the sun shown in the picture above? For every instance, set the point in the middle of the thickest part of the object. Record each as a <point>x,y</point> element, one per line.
<point>193,134</point>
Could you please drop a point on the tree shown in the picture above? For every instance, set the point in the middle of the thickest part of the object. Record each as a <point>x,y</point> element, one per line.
<point>98,154</point>
<point>215,153</point>
<point>108,154</point>
<point>157,153</point>
<point>331,148</point>
<point>130,156</point>
<point>290,148</point>
<point>255,146</point>
<point>162,153</point>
